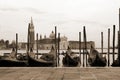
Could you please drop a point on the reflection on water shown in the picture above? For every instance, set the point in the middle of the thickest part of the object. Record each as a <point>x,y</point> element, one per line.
<point>61,56</point>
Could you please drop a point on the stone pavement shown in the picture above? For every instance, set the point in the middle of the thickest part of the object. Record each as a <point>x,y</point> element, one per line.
<point>39,73</point>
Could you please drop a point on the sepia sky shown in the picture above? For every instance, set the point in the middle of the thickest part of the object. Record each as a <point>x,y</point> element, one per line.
<point>68,15</point>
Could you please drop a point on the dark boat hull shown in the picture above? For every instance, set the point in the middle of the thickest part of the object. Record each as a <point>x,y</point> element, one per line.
<point>12,63</point>
<point>39,63</point>
<point>116,63</point>
<point>96,60</point>
<point>70,62</point>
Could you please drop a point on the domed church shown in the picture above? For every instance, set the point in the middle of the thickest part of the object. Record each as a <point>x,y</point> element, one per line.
<point>47,42</point>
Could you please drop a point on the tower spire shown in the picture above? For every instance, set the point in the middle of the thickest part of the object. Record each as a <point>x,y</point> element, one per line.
<point>31,21</point>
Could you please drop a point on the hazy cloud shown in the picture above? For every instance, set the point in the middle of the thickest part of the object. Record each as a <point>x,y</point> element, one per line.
<point>33,10</point>
<point>89,22</point>
<point>80,21</point>
<point>28,9</point>
<point>8,9</point>
<point>60,22</point>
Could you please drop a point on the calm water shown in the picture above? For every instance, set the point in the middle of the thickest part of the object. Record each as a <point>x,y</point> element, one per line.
<point>61,56</point>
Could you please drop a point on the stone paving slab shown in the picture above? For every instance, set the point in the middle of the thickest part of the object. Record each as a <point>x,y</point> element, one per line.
<point>40,73</point>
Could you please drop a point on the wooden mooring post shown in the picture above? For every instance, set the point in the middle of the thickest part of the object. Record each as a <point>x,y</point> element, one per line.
<point>85,44</point>
<point>80,47</point>
<point>113,42</point>
<point>55,59</point>
<point>83,49</point>
<point>16,44</point>
<point>119,46</point>
<point>119,39</point>
<point>37,44</point>
<point>102,42</point>
<point>28,39</point>
<point>108,47</point>
<point>58,48</point>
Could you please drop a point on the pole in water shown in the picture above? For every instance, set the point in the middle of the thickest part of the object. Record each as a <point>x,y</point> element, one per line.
<point>119,46</point>
<point>119,38</point>
<point>28,39</point>
<point>83,48</point>
<point>113,42</point>
<point>119,19</point>
<point>55,46</point>
<point>80,47</point>
<point>85,41</point>
<point>102,42</point>
<point>108,47</point>
<point>16,44</point>
<point>37,44</point>
<point>58,48</point>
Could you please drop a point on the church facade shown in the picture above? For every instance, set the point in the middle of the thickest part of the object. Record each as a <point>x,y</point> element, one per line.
<point>47,42</point>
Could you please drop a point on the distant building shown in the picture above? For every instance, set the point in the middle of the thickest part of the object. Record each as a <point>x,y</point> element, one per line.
<point>75,44</point>
<point>48,42</point>
<point>2,46</point>
<point>63,43</point>
<point>22,45</point>
<point>31,33</point>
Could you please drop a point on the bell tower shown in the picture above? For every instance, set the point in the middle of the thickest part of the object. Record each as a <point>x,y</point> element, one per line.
<point>31,33</point>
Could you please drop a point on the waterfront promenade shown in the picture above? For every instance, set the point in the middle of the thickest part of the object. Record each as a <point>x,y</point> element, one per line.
<point>38,73</point>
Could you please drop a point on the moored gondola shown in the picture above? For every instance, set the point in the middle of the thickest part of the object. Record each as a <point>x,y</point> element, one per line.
<point>116,63</point>
<point>46,60</point>
<point>11,61</point>
<point>96,59</point>
<point>70,59</point>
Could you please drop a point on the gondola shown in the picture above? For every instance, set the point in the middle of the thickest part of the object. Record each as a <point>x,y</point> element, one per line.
<point>70,59</point>
<point>96,59</point>
<point>46,60</point>
<point>11,61</point>
<point>116,63</point>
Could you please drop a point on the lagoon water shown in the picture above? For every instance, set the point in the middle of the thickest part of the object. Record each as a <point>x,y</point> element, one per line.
<point>61,56</point>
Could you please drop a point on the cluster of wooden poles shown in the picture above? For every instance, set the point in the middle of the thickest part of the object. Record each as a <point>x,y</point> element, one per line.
<point>85,52</point>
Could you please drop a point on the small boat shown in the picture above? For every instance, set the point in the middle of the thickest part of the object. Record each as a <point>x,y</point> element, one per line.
<point>96,59</point>
<point>70,59</point>
<point>11,61</point>
<point>116,63</point>
<point>46,60</point>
